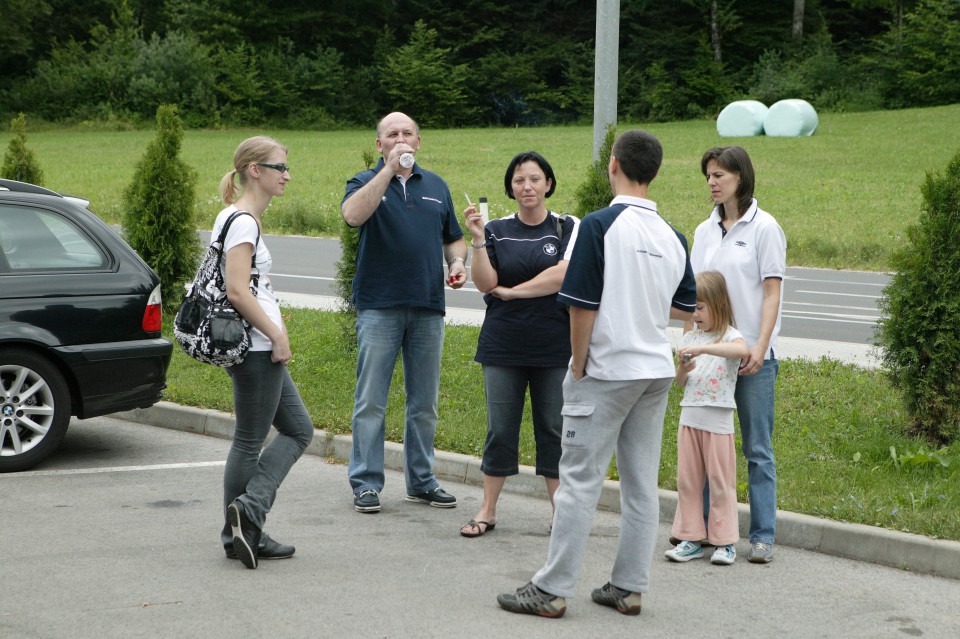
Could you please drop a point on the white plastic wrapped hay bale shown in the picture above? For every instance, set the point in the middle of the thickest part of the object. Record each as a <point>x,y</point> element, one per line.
<point>791,119</point>
<point>742,118</point>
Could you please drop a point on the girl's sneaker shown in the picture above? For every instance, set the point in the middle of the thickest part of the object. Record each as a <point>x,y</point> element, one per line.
<point>724,555</point>
<point>685,551</point>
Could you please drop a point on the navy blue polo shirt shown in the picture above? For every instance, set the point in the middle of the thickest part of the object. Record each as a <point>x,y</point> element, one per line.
<point>531,331</point>
<point>400,254</point>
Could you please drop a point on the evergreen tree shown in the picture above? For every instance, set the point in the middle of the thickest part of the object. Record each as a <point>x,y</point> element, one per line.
<point>420,79</point>
<point>158,210</point>
<point>594,193</point>
<point>347,268</point>
<point>19,162</point>
<point>921,309</point>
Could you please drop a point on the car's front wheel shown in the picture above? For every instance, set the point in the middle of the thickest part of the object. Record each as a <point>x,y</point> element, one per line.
<point>34,409</point>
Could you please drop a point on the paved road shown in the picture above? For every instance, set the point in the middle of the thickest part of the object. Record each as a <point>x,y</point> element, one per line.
<point>117,536</point>
<point>838,306</point>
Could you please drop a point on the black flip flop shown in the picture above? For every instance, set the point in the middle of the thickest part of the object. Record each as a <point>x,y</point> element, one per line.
<point>476,524</point>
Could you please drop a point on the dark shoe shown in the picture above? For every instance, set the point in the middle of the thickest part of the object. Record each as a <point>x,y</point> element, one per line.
<point>367,501</point>
<point>624,601</point>
<point>437,498</point>
<point>268,549</point>
<point>530,600</point>
<point>246,536</point>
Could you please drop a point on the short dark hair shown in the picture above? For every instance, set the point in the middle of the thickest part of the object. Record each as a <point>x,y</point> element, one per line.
<point>639,154</point>
<point>522,158</point>
<point>735,160</point>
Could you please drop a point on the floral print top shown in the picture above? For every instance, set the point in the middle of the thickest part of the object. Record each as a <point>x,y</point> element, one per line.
<point>714,380</point>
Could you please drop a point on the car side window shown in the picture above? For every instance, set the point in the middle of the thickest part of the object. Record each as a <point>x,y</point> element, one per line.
<point>34,239</point>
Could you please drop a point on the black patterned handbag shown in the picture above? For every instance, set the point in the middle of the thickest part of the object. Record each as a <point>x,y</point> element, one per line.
<point>207,327</point>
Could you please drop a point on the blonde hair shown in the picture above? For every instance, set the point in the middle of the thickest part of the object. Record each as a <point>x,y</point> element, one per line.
<point>250,151</point>
<point>712,291</point>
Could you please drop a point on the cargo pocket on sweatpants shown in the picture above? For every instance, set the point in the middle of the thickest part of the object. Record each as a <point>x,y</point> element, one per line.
<point>576,422</point>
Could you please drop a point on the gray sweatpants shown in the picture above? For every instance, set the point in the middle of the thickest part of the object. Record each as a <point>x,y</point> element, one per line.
<point>598,418</point>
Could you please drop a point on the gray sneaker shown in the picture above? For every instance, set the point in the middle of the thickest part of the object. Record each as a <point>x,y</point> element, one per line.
<point>624,601</point>
<point>760,553</point>
<point>530,600</point>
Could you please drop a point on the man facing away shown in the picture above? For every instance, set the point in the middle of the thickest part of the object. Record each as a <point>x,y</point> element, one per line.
<point>629,274</point>
<point>408,229</point>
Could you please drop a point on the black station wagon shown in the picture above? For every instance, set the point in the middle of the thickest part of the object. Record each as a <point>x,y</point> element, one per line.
<point>79,322</point>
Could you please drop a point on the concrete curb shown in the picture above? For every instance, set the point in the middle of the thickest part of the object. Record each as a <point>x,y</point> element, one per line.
<point>906,551</point>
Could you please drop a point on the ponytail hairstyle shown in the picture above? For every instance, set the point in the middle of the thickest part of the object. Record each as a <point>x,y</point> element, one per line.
<point>712,291</point>
<point>250,151</point>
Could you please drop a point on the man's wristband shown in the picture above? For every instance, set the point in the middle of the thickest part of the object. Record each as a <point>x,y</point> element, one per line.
<point>450,263</point>
<point>478,246</point>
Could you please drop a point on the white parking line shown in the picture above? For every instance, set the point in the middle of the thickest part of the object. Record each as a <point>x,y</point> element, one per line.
<point>114,469</point>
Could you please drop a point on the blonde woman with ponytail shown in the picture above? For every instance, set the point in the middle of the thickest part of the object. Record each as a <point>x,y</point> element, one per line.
<point>263,391</point>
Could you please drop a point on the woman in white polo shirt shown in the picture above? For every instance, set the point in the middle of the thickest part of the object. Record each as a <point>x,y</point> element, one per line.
<point>749,248</point>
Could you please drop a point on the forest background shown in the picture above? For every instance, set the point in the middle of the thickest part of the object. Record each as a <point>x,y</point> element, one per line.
<point>343,63</point>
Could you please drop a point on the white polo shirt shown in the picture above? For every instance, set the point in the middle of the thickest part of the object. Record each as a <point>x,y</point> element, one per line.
<point>754,249</point>
<point>630,266</point>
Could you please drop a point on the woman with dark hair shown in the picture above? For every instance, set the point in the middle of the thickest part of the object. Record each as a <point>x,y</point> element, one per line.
<point>749,248</point>
<point>519,262</point>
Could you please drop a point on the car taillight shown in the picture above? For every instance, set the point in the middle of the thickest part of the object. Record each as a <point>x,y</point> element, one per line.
<point>152,320</point>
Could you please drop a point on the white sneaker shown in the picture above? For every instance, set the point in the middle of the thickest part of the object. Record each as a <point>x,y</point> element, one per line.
<point>724,555</point>
<point>685,551</point>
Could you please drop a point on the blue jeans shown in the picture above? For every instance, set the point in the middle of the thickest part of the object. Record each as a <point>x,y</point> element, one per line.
<point>755,408</point>
<point>505,388</point>
<point>381,335</point>
<point>263,394</point>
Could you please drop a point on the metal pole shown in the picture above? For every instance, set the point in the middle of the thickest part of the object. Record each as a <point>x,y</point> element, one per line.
<point>606,68</point>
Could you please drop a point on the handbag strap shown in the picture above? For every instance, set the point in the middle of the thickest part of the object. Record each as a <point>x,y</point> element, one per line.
<point>561,219</point>
<point>254,277</point>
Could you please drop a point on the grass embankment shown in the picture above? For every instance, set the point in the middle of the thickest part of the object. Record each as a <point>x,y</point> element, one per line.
<point>836,425</point>
<point>844,196</point>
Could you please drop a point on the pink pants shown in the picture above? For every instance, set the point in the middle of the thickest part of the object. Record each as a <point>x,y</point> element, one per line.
<point>702,454</point>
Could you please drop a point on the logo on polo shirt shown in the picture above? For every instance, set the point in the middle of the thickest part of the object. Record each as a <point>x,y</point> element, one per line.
<point>430,199</point>
<point>740,243</point>
<point>549,248</point>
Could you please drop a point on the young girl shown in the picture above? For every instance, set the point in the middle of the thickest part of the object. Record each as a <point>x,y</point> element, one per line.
<point>709,360</point>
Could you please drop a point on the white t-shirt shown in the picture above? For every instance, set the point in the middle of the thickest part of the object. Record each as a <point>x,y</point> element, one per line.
<point>754,249</point>
<point>711,384</point>
<point>244,230</point>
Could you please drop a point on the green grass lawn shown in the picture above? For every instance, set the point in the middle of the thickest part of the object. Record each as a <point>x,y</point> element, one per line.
<point>844,196</point>
<point>835,427</point>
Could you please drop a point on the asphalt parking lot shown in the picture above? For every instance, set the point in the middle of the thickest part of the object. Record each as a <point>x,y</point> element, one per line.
<point>117,535</point>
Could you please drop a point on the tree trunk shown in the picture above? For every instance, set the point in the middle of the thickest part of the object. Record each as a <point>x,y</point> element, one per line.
<point>715,31</point>
<point>798,6</point>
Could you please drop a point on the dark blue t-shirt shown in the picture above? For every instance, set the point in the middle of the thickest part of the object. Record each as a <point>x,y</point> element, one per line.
<point>400,253</point>
<point>533,331</point>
